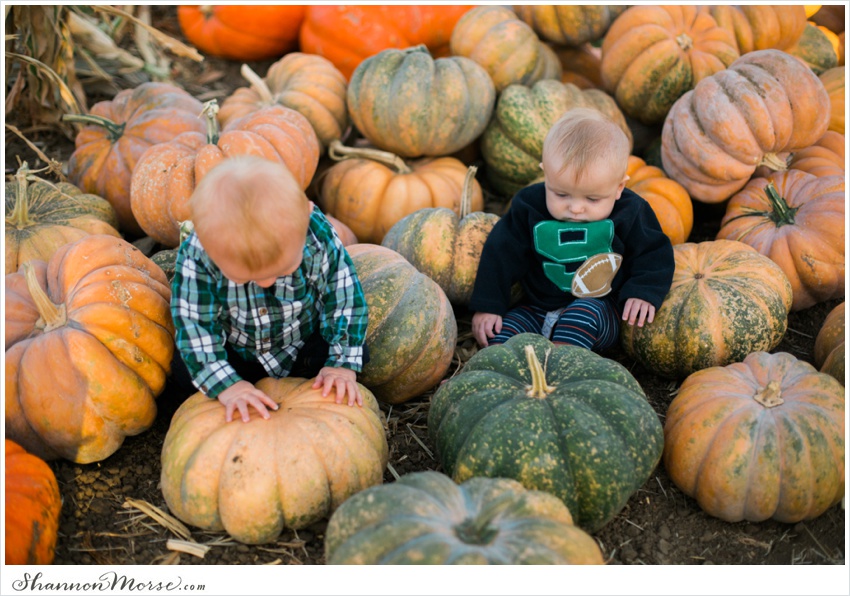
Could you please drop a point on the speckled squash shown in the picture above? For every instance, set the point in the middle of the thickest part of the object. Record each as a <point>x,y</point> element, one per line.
<point>798,221</point>
<point>761,27</point>
<point>829,344</point>
<point>512,144</point>
<point>412,329</point>
<point>824,158</point>
<point>33,505</point>
<point>424,518</point>
<point>41,216</point>
<point>726,301</point>
<point>569,25</point>
<point>254,479</point>
<point>444,245</point>
<point>715,136</point>
<point>89,340</point>
<point>833,82</point>
<point>408,103</point>
<point>652,55</point>
<point>669,199</point>
<point>759,439</point>
<point>560,419</point>
<point>117,132</point>
<point>815,49</point>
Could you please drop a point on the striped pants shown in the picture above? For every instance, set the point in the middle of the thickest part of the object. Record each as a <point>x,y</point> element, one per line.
<point>591,323</point>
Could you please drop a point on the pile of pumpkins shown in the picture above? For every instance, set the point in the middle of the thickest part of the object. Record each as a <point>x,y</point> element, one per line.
<point>541,444</point>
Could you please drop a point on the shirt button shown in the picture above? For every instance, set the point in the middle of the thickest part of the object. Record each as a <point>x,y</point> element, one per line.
<point>264,311</point>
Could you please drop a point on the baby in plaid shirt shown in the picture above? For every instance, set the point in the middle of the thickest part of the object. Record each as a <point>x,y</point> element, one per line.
<point>264,287</point>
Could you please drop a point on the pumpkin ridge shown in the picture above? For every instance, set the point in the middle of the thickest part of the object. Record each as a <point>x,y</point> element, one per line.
<point>786,428</point>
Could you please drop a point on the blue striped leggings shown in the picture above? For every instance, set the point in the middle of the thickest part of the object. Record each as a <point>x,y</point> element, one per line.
<point>591,323</point>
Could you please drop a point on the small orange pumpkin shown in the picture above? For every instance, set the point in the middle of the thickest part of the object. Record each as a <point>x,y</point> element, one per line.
<point>824,158</point>
<point>761,27</point>
<point>569,25</point>
<point>669,199</point>
<point>833,82</point>
<point>829,344</point>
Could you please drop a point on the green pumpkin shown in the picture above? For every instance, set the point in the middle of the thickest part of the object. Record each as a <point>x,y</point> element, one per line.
<point>512,143</point>
<point>815,49</point>
<point>426,519</point>
<point>561,419</point>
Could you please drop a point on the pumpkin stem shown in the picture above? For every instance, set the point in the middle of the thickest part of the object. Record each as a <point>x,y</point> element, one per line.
<point>774,162</point>
<point>685,42</point>
<point>466,193</point>
<point>781,213</point>
<point>206,10</point>
<point>475,531</point>
<point>20,216</point>
<point>51,315</point>
<point>210,110</point>
<point>770,396</point>
<point>113,129</point>
<point>538,388</point>
<point>337,151</point>
<point>258,84</point>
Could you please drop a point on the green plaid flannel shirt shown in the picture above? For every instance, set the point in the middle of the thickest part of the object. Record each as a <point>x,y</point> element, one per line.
<point>269,325</point>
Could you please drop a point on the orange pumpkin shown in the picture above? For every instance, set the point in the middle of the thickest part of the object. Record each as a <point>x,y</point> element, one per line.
<point>33,505</point>
<point>89,340</point>
<point>824,158</point>
<point>829,344</point>
<point>167,174</point>
<point>240,32</point>
<point>370,190</point>
<point>42,216</point>
<point>306,83</point>
<point>716,135</point>
<point>761,27</point>
<point>797,220</point>
<point>116,134</point>
<point>669,199</point>
<point>759,439</point>
<point>581,66</point>
<point>569,25</point>
<point>833,82</point>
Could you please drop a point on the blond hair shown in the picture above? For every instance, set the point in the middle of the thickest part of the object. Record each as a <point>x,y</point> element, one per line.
<point>583,137</point>
<point>253,205</point>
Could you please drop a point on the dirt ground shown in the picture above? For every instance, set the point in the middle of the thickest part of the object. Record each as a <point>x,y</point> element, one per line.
<point>660,525</point>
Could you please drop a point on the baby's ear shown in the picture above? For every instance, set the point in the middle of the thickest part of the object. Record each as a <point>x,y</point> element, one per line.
<point>541,165</point>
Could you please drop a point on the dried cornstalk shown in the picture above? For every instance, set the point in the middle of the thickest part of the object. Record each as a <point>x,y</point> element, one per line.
<point>158,515</point>
<point>190,548</point>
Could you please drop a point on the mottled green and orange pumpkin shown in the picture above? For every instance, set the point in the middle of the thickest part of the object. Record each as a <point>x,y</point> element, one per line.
<point>41,216</point>
<point>408,103</point>
<point>798,221</point>
<point>445,245</point>
<point>424,518</point>
<point>829,344</point>
<point>569,24</point>
<point>412,329</point>
<point>726,301</point>
<point>253,479</point>
<point>556,418</point>
<point>33,505</point>
<point>815,50</point>
<point>759,439</point>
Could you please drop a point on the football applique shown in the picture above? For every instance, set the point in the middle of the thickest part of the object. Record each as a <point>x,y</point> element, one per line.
<point>593,279</point>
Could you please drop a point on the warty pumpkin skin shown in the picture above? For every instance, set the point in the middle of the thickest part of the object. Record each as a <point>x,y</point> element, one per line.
<point>759,439</point>
<point>561,419</point>
<point>761,27</point>
<point>445,245</point>
<point>41,216</point>
<point>569,25</point>
<point>652,55</point>
<point>798,221</point>
<point>726,301</point>
<point>254,479</point>
<point>716,135</point>
<point>306,83</point>
<point>408,103</point>
<point>166,176</point>
<point>370,191</point>
<point>117,133</point>
<point>669,199</point>
<point>829,344</point>
<point>412,329</point>
<point>33,505</point>
<point>833,82</point>
<point>425,518</point>
<point>89,340</point>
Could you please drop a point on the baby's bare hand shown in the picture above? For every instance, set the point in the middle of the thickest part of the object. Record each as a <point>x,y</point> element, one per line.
<point>242,394</point>
<point>343,380</point>
<point>638,311</point>
<point>485,326</point>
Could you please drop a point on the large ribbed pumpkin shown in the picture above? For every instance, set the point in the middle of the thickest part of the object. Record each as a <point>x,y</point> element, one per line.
<point>726,301</point>
<point>829,344</point>
<point>760,27</point>
<point>411,104</point>
<point>833,82</point>
<point>307,83</point>
<point>116,134</point>
<point>759,439</point>
<point>89,340</point>
<point>41,216</point>
<point>652,55</point>
<point>166,176</point>
<point>412,329</point>
<point>567,24</point>
<point>561,419</point>
<point>424,518</point>
<point>253,479</point>
<point>669,199</point>
<point>512,144</point>
<point>714,137</point>
<point>445,245</point>
<point>33,505</point>
<point>798,220</point>
<point>370,190</point>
